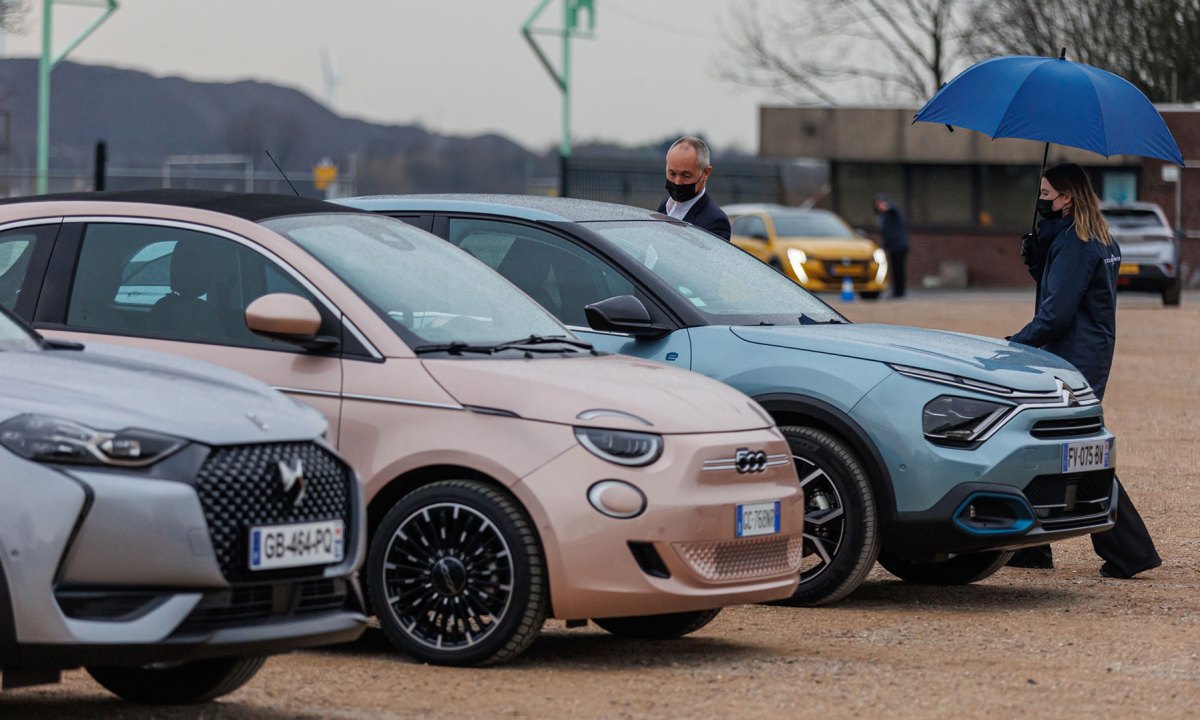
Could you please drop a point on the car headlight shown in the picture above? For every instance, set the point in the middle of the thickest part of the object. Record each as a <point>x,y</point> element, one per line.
<point>879,256</point>
<point>622,447</point>
<point>797,258</point>
<point>51,439</point>
<point>958,420</point>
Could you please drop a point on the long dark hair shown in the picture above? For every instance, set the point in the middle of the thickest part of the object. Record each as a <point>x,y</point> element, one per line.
<point>1070,180</point>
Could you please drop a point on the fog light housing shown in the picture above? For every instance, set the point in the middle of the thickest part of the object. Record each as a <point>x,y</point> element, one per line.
<point>993,513</point>
<point>617,499</point>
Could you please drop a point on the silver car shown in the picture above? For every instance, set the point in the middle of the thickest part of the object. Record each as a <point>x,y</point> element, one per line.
<point>165,523</point>
<point>1149,249</point>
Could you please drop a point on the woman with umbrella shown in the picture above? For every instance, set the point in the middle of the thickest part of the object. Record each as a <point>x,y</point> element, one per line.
<point>1075,263</point>
<point>1074,258</point>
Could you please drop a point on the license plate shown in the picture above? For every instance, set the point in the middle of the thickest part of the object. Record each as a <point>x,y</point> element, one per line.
<point>284,546</point>
<point>1086,455</point>
<point>847,270</point>
<point>758,519</point>
<point>1129,269</point>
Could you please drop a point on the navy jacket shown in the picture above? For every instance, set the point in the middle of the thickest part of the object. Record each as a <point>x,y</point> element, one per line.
<point>892,228</point>
<point>705,214</point>
<point>1076,317</point>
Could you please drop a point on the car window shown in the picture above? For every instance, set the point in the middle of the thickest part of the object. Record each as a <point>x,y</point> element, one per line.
<point>1130,219</point>
<point>17,247</point>
<point>561,276</point>
<point>725,284</point>
<point>172,283</point>
<point>427,291</point>
<point>749,226</point>
<point>812,224</point>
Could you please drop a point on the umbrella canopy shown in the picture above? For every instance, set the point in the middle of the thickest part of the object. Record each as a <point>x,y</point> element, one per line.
<point>1055,101</point>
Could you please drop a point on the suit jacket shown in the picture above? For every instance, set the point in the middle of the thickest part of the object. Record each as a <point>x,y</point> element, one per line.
<point>707,215</point>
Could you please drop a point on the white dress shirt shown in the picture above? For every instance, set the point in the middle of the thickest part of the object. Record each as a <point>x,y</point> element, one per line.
<point>678,209</point>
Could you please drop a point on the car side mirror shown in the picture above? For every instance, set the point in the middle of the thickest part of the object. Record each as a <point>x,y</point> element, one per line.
<point>861,232</point>
<point>623,314</point>
<point>761,237</point>
<point>290,318</point>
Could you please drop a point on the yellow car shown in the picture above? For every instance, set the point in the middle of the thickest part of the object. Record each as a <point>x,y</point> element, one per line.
<point>816,248</point>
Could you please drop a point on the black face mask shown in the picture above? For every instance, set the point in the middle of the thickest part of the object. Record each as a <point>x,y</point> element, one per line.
<point>681,193</point>
<point>1046,209</point>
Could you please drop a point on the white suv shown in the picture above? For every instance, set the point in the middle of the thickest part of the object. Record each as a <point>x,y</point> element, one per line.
<point>1149,249</point>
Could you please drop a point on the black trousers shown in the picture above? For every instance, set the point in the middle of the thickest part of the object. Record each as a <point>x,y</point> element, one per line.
<point>1128,547</point>
<point>898,261</point>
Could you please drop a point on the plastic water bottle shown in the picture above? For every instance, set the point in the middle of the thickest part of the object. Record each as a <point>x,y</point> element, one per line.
<point>847,290</point>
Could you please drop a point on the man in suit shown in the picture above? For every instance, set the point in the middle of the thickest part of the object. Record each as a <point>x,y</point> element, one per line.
<point>688,168</point>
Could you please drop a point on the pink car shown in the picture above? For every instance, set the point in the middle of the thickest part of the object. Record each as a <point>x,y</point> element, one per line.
<point>512,473</point>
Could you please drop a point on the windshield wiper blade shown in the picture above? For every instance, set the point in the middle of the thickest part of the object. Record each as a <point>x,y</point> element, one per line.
<point>456,347</point>
<point>533,340</point>
<point>808,320</point>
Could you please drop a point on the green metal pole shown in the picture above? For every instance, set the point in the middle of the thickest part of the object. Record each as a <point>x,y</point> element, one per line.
<point>43,128</point>
<point>47,62</point>
<point>564,151</point>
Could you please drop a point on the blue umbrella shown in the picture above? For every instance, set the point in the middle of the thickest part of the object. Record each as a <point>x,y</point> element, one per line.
<point>1055,101</point>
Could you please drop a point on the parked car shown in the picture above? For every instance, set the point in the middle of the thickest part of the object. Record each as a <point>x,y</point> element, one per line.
<point>816,248</point>
<point>166,524</point>
<point>1149,249</point>
<point>511,472</point>
<point>936,452</point>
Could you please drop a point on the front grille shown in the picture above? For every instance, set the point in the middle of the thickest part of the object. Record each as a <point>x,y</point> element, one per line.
<point>743,559</point>
<point>253,604</point>
<point>1061,497</point>
<point>240,487</point>
<point>1067,427</point>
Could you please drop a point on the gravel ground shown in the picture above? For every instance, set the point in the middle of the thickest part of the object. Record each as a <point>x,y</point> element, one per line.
<point>1063,643</point>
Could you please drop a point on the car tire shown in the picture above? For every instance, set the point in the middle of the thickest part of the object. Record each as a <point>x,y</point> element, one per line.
<point>657,627</point>
<point>482,594</point>
<point>178,684</point>
<point>869,295</point>
<point>841,526</point>
<point>1172,294</point>
<point>958,570</point>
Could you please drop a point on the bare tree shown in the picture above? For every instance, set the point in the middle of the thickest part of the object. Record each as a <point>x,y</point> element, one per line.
<point>816,49</point>
<point>1155,44</point>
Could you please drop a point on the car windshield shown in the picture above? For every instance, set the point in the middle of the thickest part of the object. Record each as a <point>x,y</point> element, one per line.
<point>1130,219</point>
<point>727,285</point>
<point>429,291</point>
<point>15,336</point>
<point>813,224</point>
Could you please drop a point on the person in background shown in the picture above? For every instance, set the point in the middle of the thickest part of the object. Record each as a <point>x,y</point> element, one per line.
<point>688,168</point>
<point>895,242</point>
<point>1075,261</point>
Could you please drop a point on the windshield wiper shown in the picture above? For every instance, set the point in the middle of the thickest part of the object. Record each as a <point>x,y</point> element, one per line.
<point>807,320</point>
<point>530,343</point>
<point>457,347</point>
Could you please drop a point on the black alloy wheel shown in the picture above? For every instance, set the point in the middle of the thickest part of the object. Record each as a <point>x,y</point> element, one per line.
<point>457,575</point>
<point>841,530</point>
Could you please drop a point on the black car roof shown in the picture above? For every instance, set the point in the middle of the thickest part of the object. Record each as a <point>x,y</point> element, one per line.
<point>248,206</point>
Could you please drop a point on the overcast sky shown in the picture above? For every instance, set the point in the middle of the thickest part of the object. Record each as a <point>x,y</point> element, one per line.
<point>458,66</point>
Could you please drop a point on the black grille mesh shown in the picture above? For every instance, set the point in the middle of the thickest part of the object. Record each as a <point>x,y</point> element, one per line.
<point>240,487</point>
<point>1067,427</point>
<point>1052,489</point>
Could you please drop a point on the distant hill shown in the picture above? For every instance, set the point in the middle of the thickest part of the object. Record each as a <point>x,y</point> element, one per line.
<point>144,119</point>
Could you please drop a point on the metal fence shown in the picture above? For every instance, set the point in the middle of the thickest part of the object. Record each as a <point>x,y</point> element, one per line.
<point>639,182</point>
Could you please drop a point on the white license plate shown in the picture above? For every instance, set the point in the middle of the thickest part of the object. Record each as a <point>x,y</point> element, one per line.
<point>1087,455</point>
<point>284,546</point>
<point>758,519</point>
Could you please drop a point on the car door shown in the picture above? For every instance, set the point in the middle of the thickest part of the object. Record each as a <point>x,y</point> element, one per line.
<point>564,277</point>
<point>24,253</point>
<point>750,234</point>
<point>183,289</point>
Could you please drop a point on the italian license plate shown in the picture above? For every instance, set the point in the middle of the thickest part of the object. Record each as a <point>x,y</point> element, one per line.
<point>284,546</point>
<point>758,519</point>
<point>1128,269</point>
<point>1087,455</point>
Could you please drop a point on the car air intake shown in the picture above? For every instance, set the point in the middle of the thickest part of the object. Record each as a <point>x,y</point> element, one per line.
<point>649,560</point>
<point>1067,427</point>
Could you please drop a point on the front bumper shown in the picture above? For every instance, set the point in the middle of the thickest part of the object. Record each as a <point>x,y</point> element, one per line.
<point>681,554</point>
<point>1016,474</point>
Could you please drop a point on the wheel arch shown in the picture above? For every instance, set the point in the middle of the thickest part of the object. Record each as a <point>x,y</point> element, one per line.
<point>8,623</point>
<point>791,409</point>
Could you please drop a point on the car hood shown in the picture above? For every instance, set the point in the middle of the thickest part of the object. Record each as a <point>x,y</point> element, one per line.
<point>971,356</point>
<point>113,388</point>
<point>832,249</point>
<point>558,390</point>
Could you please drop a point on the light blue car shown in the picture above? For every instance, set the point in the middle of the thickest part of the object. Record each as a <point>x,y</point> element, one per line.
<point>936,453</point>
